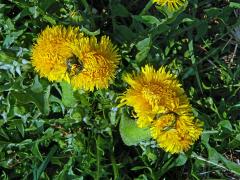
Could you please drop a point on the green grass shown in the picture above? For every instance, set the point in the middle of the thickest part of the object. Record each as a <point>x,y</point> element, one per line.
<point>49,131</point>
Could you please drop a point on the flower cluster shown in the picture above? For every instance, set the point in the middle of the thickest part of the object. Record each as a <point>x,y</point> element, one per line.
<point>159,101</point>
<point>66,54</point>
<point>161,104</point>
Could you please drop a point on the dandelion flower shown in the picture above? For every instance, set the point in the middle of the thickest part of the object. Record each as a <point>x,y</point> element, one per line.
<point>153,93</point>
<point>99,62</point>
<point>51,51</point>
<point>172,5</point>
<point>175,133</point>
<point>161,104</point>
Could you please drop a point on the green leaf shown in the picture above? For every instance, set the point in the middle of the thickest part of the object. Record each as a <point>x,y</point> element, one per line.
<point>148,20</point>
<point>181,160</point>
<point>234,5</point>
<point>68,98</point>
<point>56,101</point>
<point>172,162</point>
<point>24,143</point>
<point>36,94</point>
<point>49,19</point>
<point>136,168</point>
<point>20,127</point>
<point>119,10</point>
<point>130,133</point>
<point>144,47</point>
<point>44,164</point>
<point>6,57</point>
<point>215,157</point>
<point>226,125</point>
<point>202,29</point>
<point>236,106</point>
<point>45,4</point>
<point>64,172</point>
<point>37,86</point>
<point>10,39</point>
<point>34,11</point>
<point>124,33</point>
<point>143,44</point>
<point>230,165</point>
<point>3,134</point>
<point>36,152</point>
<point>86,31</point>
<point>189,72</point>
<point>235,143</point>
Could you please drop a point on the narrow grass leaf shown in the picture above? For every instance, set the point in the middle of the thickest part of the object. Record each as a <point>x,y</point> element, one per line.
<point>44,164</point>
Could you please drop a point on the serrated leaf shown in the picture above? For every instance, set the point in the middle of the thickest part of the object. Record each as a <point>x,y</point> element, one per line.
<point>39,99</point>
<point>130,133</point>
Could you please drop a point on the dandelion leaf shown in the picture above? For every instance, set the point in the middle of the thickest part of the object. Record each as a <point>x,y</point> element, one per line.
<point>130,133</point>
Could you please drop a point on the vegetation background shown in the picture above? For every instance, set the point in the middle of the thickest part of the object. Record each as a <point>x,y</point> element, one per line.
<point>49,131</point>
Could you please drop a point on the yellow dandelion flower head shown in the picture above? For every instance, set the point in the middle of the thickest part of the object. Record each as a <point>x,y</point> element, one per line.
<point>171,4</point>
<point>51,50</point>
<point>99,61</point>
<point>153,93</point>
<point>161,104</point>
<point>175,133</point>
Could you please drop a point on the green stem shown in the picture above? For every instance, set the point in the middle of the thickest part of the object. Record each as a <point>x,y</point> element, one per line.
<point>98,157</point>
<point>115,170</point>
<point>146,8</point>
<point>113,160</point>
